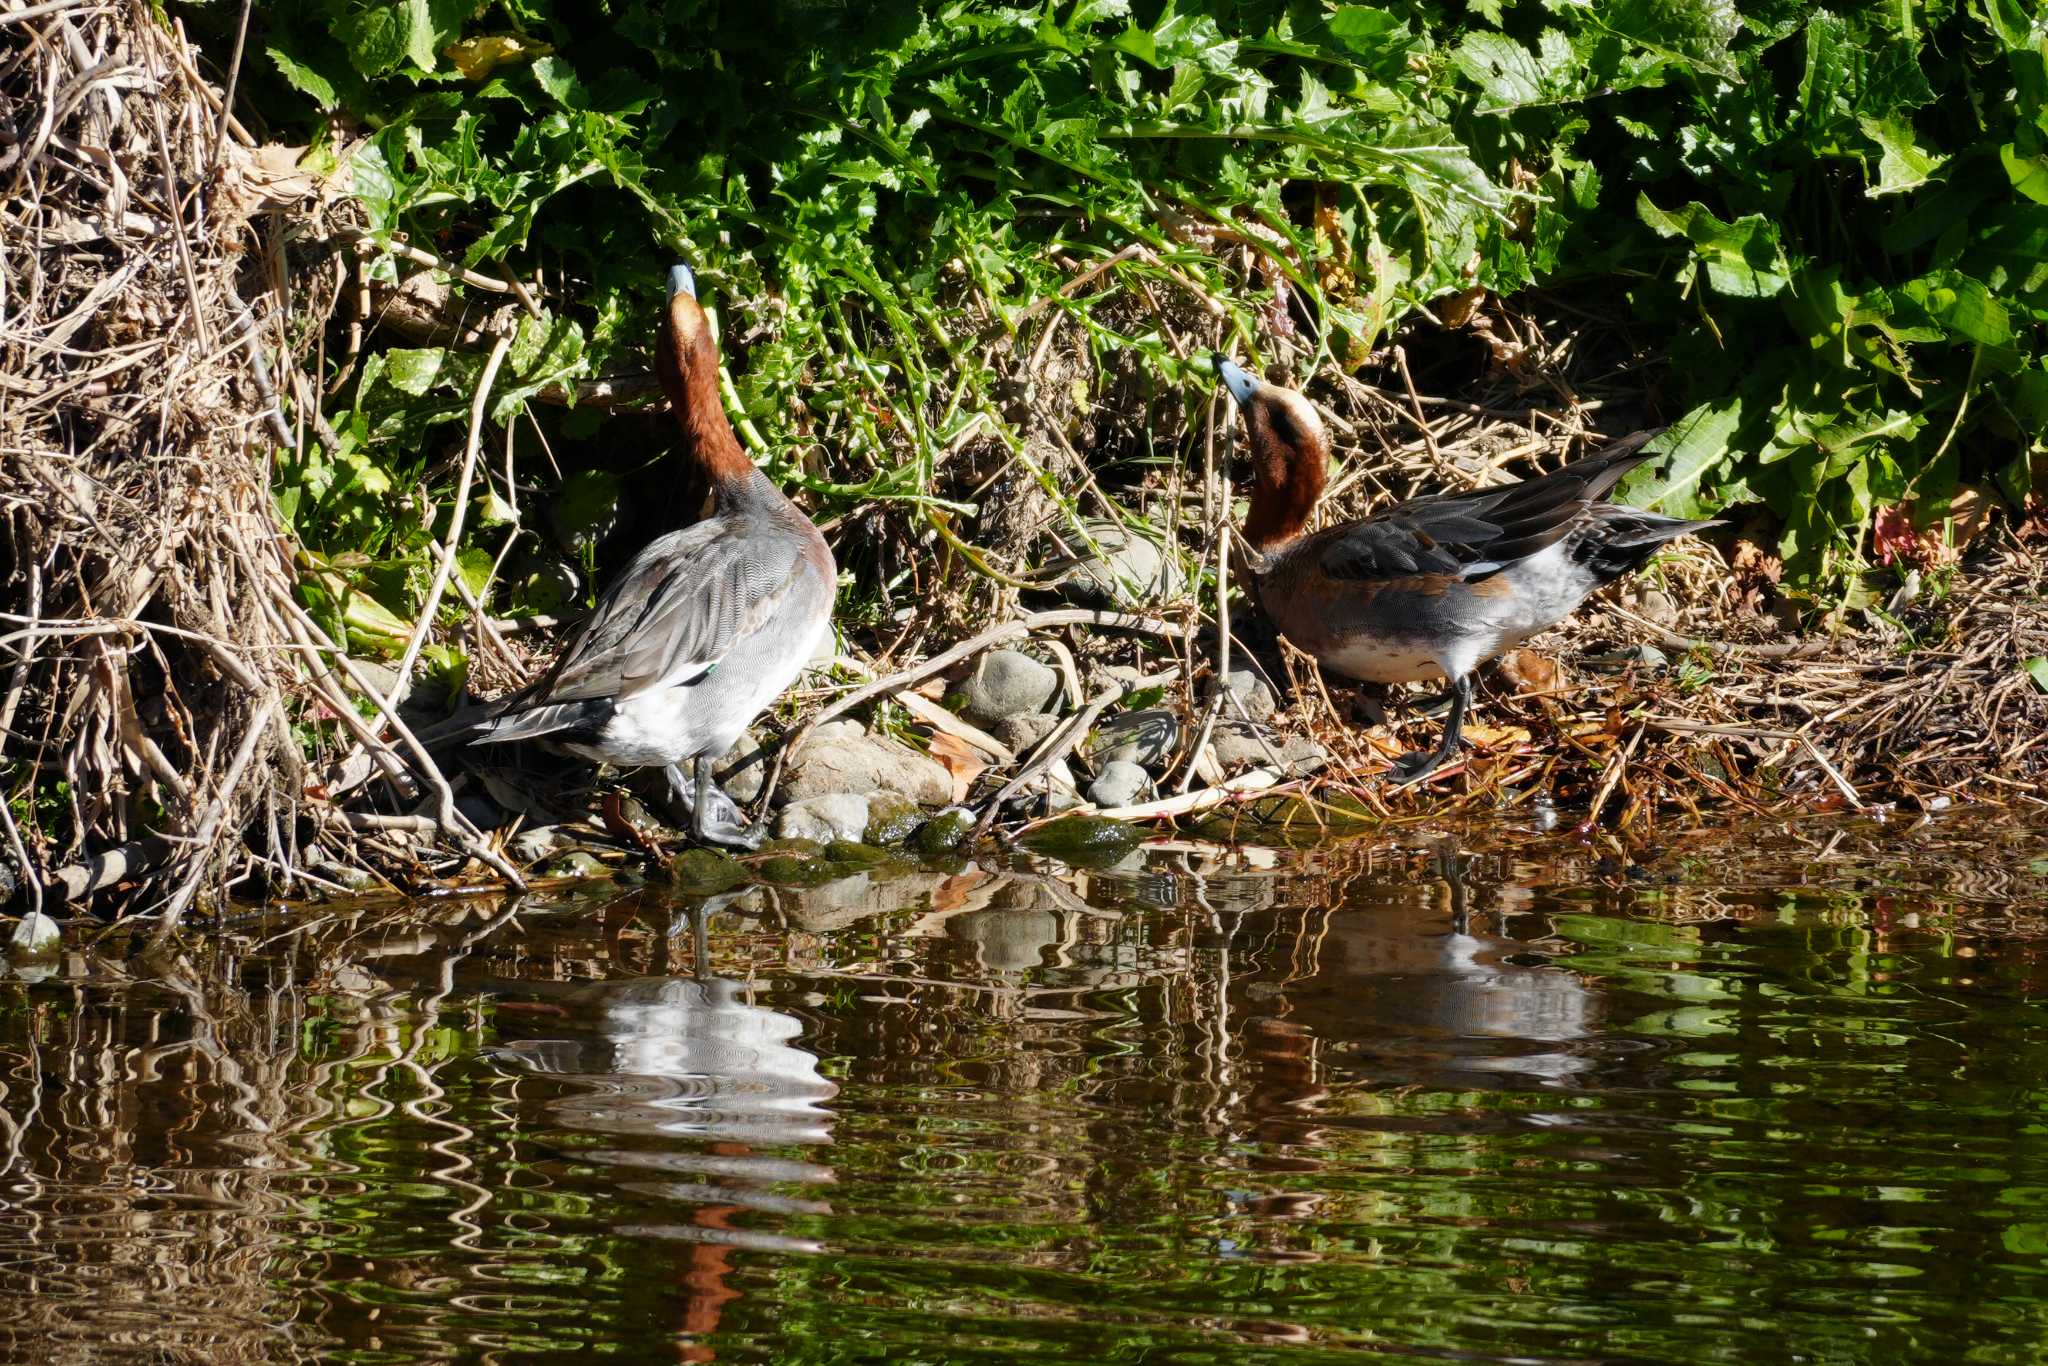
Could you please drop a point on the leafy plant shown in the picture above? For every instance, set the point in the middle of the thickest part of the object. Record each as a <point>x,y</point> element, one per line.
<point>1834,221</point>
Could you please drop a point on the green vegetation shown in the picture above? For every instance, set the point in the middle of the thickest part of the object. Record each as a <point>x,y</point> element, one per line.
<point>1832,224</point>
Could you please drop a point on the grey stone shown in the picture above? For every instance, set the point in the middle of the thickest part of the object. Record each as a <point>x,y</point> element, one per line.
<point>1656,605</point>
<point>36,935</point>
<point>842,758</point>
<point>743,768</point>
<point>1062,793</point>
<point>1053,790</point>
<point>1147,738</point>
<point>1131,571</point>
<point>1009,683</point>
<point>1647,657</point>
<point>1239,748</point>
<point>1252,693</point>
<point>1119,784</point>
<point>1022,731</point>
<point>834,816</point>
<point>539,842</point>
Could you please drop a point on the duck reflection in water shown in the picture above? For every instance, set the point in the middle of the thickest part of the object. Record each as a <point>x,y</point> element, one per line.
<point>1406,991</point>
<point>693,1058</point>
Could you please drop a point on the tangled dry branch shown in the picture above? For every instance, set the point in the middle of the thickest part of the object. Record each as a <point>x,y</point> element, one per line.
<point>153,658</point>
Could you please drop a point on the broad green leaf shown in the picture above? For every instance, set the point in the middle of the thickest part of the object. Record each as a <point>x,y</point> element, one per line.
<point>2029,173</point>
<point>2037,669</point>
<point>304,78</point>
<point>1905,165</point>
<point>1962,305</point>
<point>1695,446</point>
<point>474,564</point>
<point>1365,29</point>
<point>1743,258</point>
<point>413,371</point>
<point>1699,33</point>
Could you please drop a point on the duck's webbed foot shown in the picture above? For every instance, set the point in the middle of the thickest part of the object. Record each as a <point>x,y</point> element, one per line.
<point>1419,764</point>
<point>715,818</point>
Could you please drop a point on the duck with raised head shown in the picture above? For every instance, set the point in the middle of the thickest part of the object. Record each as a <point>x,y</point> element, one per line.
<point>705,627</point>
<point>1436,586</point>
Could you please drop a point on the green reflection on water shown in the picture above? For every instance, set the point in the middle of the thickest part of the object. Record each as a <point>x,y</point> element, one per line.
<point>1487,1101</point>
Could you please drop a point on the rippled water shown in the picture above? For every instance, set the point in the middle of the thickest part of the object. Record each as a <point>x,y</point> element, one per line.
<point>1768,1095</point>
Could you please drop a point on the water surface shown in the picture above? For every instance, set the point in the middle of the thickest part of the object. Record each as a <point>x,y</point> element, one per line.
<point>1778,1093</point>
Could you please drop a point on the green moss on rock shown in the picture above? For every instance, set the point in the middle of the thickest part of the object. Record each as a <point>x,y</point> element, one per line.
<point>944,833</point>
<point>892,819</point>
<point>1084,841</point>
<point>705,872</point>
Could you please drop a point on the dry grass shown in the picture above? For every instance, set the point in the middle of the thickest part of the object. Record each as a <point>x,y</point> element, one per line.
<point>154,654</point>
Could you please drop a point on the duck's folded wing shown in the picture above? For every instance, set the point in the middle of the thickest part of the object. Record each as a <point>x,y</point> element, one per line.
<point>676,612</point>
<point>1476,534</point>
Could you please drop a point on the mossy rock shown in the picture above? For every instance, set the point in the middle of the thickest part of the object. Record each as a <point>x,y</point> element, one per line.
<point>1288,819</point>
<point>892,820</point>
<point>705,872</point>
<point>579,863</point>
<point>797,863</point>
<point>1083,841</point>
<point>942,835</point>
<point>851,857</point>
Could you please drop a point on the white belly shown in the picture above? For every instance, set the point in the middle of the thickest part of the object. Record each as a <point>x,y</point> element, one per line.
<point>1383,665</point>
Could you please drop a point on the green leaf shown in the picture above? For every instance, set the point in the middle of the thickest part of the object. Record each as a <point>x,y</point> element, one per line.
<point>1743,258</point>
<point>1699,33</point>
<point>1905,165</point>
<point>474,564</point>
<point>2037,669</point>
<point>558,78</point>
<point>413,371</point>
<point>1695,446</point>
<point>2029,174</point>
<point>304,78</point>
<point>1962,305</point>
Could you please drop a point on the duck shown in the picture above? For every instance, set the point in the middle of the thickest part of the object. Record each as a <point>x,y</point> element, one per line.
<point>1436,586</point>
<point>706,626</point>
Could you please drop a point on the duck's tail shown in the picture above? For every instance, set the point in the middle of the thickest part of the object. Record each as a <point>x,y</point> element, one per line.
<point>581,720</point>
<point>1621,540</point>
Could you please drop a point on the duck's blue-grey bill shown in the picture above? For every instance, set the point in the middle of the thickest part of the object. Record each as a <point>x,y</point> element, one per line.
<point>681,281</point>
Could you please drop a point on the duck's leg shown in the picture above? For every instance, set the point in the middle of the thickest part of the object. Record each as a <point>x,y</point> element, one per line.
<point>715,818</point>
<point>1417,765</point>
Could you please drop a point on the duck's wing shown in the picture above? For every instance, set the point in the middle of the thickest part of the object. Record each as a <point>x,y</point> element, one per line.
<point>1475,534</point>
<point>678,610</point>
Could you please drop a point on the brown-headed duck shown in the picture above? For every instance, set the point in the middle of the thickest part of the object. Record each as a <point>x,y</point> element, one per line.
<point>1436,586</point>
<point>705,627</point>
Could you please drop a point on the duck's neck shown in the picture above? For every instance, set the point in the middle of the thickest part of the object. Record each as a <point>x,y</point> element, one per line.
<point>688,367</point>
<point>1287,482</point>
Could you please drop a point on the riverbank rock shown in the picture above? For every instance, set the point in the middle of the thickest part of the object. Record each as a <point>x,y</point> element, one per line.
<point>841,757</point>
<point>1146,738</point>
<point>833,816</point>
<point>1239,747</point>
<point>892,819</point>
<point>1026,729</point>
<point>1252,694</point>
<point>1008,683</point>
<point>1120,784</point>
<point>1130,572</point>
<point>743,768</point>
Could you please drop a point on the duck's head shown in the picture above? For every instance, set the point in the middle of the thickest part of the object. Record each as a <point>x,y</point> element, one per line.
<point>686,362</point>
<point>1289,454</point>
